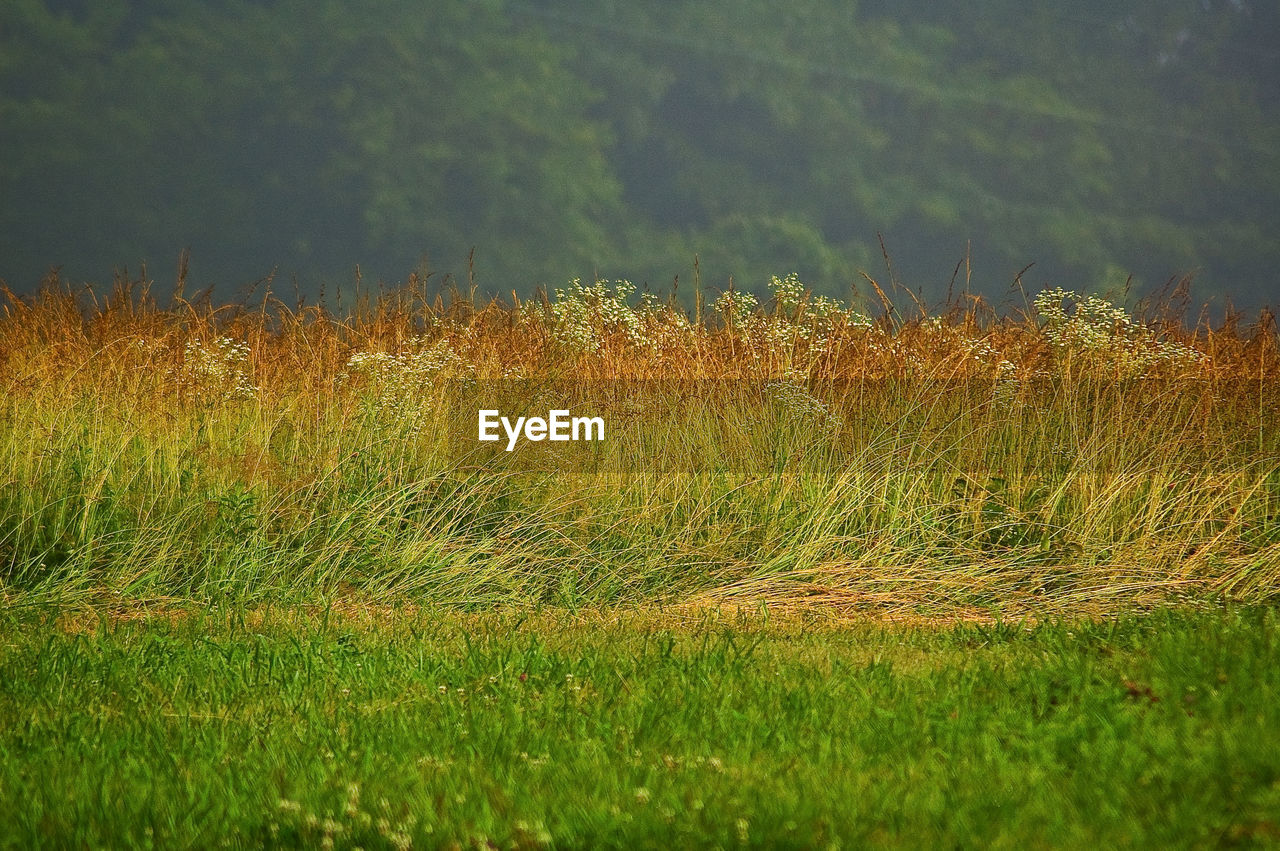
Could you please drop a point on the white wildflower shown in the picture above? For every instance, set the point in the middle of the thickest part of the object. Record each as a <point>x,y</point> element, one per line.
<point>217,371</point>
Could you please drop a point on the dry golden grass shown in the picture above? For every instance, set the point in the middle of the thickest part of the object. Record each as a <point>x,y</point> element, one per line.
<point>1069,456</point>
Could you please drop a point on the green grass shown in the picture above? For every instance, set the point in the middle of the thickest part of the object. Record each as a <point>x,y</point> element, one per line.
<point>234,466</point>
<point>636,729</point>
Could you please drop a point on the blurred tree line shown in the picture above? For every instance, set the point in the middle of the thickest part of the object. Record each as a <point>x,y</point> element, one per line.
<point>566,138</point>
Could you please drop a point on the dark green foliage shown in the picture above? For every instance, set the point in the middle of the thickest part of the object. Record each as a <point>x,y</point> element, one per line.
<point>587,138</point>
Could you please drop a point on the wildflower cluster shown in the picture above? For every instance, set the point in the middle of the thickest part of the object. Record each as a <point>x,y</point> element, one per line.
<point>352,825</point>
<point>799,318</point>
<point>788,292</point>
<point>216,372</point>
<point>814,315</point>
<point>1100,332</point>
<point>586,316</point>
<point>397,385</point>
<point>738,309</point>
<point>829,312</point>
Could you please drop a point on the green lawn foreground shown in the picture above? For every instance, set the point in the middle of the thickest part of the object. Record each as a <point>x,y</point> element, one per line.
<point>429,729</point>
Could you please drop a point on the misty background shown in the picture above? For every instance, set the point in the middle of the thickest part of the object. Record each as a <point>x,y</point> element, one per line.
<point>521,144</point>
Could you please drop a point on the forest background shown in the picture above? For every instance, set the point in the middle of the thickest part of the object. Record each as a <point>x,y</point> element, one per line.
<point>521,144</point>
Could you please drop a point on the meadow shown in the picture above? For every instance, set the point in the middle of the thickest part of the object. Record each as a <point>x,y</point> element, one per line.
<point>844,574</point>
<point>359,727</point>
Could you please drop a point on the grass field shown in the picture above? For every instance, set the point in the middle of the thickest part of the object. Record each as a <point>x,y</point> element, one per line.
<point>637,729</point>
<point>840,576</point>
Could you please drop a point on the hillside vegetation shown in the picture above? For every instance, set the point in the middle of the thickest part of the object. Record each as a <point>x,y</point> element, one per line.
<point>544,141</point>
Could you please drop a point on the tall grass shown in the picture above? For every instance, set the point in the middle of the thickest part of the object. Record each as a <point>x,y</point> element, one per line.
<point>1070,455</point>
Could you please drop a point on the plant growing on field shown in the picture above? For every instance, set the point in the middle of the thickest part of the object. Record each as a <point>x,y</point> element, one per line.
<point>800,328</point>
<point>737,308</point>
<point>801,406</point>
<point>812,317</point>
<point>974,350</point>
<point>396,385</point>
<point>105,483</point>
<point>216,371</point>
<point>1092,329</point>
<point>354,825</point>
<point>584,317</point>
